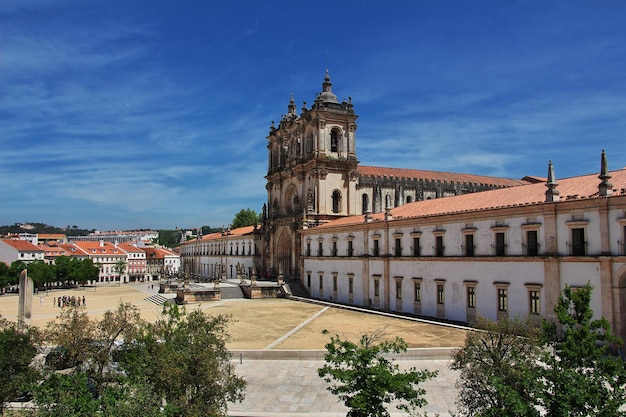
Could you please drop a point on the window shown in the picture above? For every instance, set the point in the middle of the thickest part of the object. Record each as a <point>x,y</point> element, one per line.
<point>335,282</point>
<point>308,280</point>
<point>398,289</point>
<point>471,296</point>
<point>469,245</point>
<point>350,248</point>
<point>334,140</point>
<point>417,291</point>
<point>365,203</point>
<point>350,285</point>
<point>397,247</point>
<point>532,244</point>
<point>534,302</point>
<point>320,248</point>
<point>439,246</point>
<point>503,299</point>
<point>308,248</point>
<point>500,244</point>
<point>334,248</point>
<point>441,294</point>
<point>376,287</point>
<point>336,201</point>
<point>578,241</point>
<point>321,283</point>
<point>416,246</point>
<point>376,248</point>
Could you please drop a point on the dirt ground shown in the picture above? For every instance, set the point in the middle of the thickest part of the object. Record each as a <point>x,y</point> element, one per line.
<point>256,324</point>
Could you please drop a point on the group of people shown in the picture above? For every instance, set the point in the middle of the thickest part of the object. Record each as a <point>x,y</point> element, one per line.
<point>66,300</point>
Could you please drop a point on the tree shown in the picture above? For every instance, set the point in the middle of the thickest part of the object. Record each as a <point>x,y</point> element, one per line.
<point>245,217</point>
<point>365,380</point>
<point>498,372</point>
<point>15,270</point>
<point>17,349</point>
<point>581,377</point>
<point>119,268</point>
<point>63,268</point>
<point>4,276</point>
<point>40,272</point>
<point>184,357</point>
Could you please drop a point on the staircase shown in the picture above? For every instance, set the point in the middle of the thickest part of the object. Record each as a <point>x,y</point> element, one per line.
<point>159,299</point>
<point>297,289</point>
<point>229,292</point>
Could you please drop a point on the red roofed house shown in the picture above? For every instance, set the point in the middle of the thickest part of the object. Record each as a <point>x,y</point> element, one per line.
<point>19,250</point>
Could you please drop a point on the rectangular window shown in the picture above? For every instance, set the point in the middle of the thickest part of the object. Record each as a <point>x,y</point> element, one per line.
<point>397,248</point>
<point>321,283</point>
<point>469,245</point>
<point>308,280</point>
<point>334,248</point>
<point>416,246</point>
<point>376,248</point>
<point>439,246</point>
<point>320,249</point>
<point>471,297</point>
<point>441,294</point>
<point>417,290</point>
<point>398,290</point>
<point>308,248</point>
<point>534,302</point>
<point>350,248</point>
<point>350,285</point>
<point>578,242</point>
<point>532,247</point>
<point>335,284</point>
<point>500,244</point>
<point>503,299</point>
<point>376,288</point>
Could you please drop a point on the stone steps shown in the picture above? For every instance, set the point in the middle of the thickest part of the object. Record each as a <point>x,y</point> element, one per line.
<point>158,299</point>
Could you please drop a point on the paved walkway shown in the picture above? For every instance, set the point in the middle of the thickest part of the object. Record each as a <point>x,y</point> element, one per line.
<point>282,388</point>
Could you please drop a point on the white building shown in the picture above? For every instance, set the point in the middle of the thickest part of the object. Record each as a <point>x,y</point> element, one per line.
<point>19,250</point>
<point>505,252</point>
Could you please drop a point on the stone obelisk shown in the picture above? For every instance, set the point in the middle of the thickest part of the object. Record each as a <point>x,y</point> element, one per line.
<point>25,306</point>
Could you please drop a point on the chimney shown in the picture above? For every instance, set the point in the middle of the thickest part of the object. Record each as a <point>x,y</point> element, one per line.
<point>368,216</point>
<point>388,215</point>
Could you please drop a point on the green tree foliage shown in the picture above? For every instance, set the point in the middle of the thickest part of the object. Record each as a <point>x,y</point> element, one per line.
<point>123,366</point>
<point>582,378</point>
<point>498,373</point>
<point>41,273</point>
<point>170,238</point>
<point>365,379</point>
<point>15,270</point>
<point>4,276</point>
<point>245,217</point>
<point>564,369</point>
<point>184,356</point>
<point>18,347</point>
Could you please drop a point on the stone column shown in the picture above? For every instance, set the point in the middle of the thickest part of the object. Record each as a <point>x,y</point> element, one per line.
<point>25,306</point>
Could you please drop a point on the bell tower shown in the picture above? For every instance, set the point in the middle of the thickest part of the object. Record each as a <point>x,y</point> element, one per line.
<point>311,176</point>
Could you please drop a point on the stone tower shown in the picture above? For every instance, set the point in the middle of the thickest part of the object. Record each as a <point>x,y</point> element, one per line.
<point>311,176</point>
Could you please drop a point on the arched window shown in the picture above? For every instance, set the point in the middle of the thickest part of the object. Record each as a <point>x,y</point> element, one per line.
<point>365,203</point>
<point>334,140</point>
<point>409,199</point>
<point>336,201</point>
<point>388,201</point>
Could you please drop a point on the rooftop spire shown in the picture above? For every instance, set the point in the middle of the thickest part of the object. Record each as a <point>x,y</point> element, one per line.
<point>552,194</point>
<point>327,91</point>
<point>605,188</point>
<point>292,105</point>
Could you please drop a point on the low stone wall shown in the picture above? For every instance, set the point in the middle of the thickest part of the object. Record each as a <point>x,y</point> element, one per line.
<point>168,288</point>
<point>416,354</point>
<point>256,292</point>
<point>187,296</point>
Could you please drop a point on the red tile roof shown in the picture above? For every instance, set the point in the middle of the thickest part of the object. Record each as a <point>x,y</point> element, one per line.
<point>569,188</point>
<point>22,245</point>
<point>240,231</point>
<point>450,177</point>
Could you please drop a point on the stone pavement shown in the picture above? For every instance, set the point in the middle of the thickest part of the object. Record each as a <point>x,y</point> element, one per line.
<point>282,388</point>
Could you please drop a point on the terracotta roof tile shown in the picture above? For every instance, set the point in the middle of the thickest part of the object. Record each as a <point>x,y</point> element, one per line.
<point>436,175</point>
<point>22,245</point>
<point>569,188</point>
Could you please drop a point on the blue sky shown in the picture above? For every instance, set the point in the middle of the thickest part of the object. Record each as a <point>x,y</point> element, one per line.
<point>154,114</point>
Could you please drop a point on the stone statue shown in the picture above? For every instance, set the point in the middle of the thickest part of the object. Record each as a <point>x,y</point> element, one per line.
<point>25,306</point>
